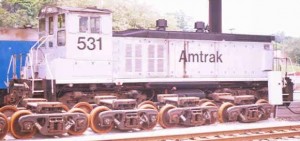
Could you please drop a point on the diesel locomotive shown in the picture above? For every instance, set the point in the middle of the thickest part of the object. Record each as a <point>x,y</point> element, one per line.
<point>80,62</point>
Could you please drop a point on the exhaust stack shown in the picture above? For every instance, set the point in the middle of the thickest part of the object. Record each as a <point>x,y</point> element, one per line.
<point>215,16</point>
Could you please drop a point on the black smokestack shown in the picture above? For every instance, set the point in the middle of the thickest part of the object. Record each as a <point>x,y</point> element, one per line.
<point>215,16</point>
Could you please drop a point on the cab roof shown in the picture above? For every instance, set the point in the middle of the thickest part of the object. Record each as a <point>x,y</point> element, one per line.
<point>58,9</point>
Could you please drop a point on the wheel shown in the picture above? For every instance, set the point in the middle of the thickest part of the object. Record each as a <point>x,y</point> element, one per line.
<point>65,108</point>
<point>83,125</point>
<point>152,124</point>
<point>201,101</point>
<point>147,102</point>
<point>163,117</point>
<point>4,125</point>
<point>84,106</point>
<point>15,127</point>
<point>264,116</point>
<point>94,120</point>
<point>8,110</point>
<point>223,117</point>
<point>147,106</point>
<point>208,103</point>
<point>260,101</point>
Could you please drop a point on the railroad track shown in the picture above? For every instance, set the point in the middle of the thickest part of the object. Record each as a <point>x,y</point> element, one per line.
<point>271,129</point>
<point>280,132</point>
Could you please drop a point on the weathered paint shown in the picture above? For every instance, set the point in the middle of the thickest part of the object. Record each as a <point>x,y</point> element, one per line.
<point>18,34</point>
<point>14,41</point>
<point>8,48</point>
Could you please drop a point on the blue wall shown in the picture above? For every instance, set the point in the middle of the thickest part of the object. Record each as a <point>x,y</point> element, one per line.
<point>8,48</point>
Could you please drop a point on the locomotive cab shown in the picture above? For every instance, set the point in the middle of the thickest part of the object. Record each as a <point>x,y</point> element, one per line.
<point>73,43</point>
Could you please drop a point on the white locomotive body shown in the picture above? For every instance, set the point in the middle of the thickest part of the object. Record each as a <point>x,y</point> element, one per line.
<point>82,57</point>
<point>75,55</point>
<point>93,55</point>
<point>189,60</point>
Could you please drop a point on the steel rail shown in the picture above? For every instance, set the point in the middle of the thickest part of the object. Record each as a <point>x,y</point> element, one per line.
<point>227,135</point>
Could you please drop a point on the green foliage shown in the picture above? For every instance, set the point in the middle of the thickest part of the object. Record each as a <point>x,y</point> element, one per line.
<point>129,14</point>
<point>77,3</point>
<point>17,13</point>
<point>292,49</point>
<point>172,21</point>
<point>182,21</point>
<point>293,68</point>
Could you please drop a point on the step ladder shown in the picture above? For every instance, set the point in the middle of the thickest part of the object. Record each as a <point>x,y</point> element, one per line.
<point>38,88</point>
<point>281,64</point>
<point>38,85</point>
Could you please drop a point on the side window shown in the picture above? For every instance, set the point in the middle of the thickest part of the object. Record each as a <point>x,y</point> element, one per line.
<point>61,21</point>
<point>61,38</point>
<point>42,29</point>
<point>83,24</point>
<point>51,25</point>
<point>61,32</point>
<point>42,25</point>
<point>95,24</point>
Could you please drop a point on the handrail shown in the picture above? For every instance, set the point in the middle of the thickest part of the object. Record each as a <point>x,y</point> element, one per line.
<point>14,62</point>
<point>41,41</point>
<point>292,65</point>
<point>51,75</point>
<point>8,70</point>
<point>287,60</point>
<point>30,59</point>
<point>37,45</point>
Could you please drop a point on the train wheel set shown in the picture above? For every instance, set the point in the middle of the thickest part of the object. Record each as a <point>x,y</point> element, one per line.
<point>37,115</point>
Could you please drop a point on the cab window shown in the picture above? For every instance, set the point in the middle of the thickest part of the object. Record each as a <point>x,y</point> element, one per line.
<point>61,38</point>
<point>95,24</point>
<point>42,29</point>
<point>42,25</point>
<point>51,25</point>
<point>83,24</point>
<point>61,21</point>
